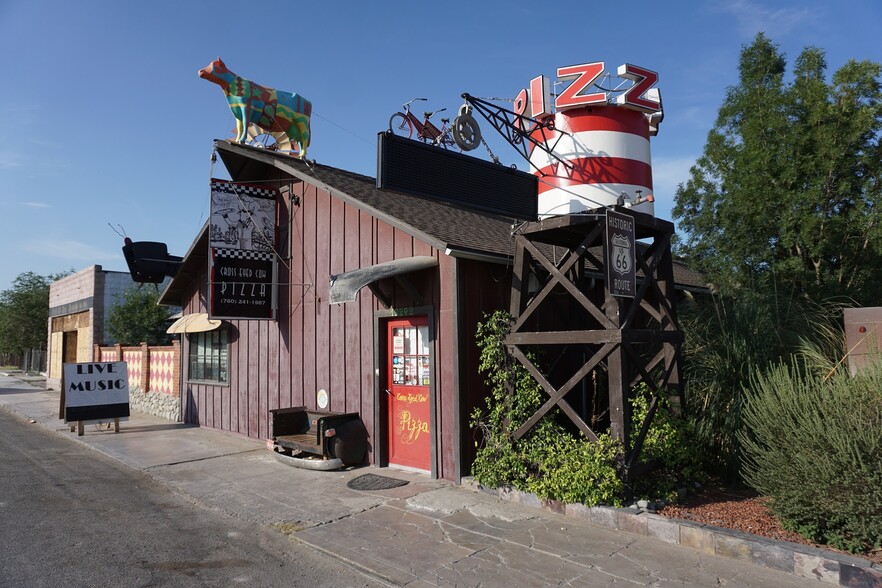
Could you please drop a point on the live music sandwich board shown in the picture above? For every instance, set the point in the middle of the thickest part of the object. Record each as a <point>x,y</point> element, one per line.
<point>97,391</point>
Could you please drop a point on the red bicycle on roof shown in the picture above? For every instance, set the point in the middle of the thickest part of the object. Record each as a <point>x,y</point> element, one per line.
<point>404,123</point>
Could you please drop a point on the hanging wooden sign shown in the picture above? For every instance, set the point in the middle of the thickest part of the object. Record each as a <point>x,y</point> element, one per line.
<point>621,273</point>
<point>242,252</point>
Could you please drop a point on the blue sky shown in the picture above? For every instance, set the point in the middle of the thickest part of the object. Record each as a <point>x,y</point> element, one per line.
<point>103,119</point>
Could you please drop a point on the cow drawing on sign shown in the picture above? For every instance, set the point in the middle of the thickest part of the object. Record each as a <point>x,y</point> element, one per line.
<point>233,221</point>
<point>230,226</point>
<point>281,114</point>
<point>241,221</point>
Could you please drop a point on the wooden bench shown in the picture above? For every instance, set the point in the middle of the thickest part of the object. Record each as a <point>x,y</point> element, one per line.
<point>329,435</point>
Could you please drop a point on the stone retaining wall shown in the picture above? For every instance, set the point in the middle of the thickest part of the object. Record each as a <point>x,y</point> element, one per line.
<point>830,567</point>
<point>155,403</point>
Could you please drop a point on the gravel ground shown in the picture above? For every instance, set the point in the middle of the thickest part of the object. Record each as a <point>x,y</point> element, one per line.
<point>748,514</point>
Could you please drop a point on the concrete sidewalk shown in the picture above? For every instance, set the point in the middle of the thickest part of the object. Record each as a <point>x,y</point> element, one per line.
<point>427,533</point>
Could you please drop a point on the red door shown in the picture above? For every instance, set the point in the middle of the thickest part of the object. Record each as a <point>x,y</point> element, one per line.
<point>409,369</point>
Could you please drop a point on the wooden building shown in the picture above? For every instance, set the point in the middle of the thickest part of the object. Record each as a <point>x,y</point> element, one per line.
<point>419,273</point>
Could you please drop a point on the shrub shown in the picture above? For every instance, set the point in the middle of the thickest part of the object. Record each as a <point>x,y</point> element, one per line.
<point>670,440</point>
<point>814,446</point>
<point>572,469</point>
<point>725,342</point>
<point>514,397</point>
<point>730,339</point>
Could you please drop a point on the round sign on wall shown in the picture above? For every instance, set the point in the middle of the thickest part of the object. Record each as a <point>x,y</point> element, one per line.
<point>321,399</point>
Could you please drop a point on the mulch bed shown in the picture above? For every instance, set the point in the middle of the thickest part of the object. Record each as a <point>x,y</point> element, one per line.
<point>740,511</point>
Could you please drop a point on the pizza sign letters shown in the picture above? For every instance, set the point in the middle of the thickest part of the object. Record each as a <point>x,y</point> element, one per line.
<point>642,95</point>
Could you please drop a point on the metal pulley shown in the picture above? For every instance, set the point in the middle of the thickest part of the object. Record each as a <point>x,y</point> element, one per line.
<point>466,132</point>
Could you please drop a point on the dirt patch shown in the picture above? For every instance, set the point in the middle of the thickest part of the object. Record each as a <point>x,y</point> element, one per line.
<point>740,511</point>
<point>288,527</point>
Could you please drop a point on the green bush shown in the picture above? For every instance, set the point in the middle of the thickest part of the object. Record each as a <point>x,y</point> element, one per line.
<point>549,460</point>
<point>574,470</point>
<point>725,342</point>
<point>730,338</point>
<point>814,446</point>
<point>670,440</point>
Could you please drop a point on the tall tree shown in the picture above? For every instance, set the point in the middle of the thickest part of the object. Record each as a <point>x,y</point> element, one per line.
<point>24,313</point>
<point>789,185</point>
<point>137,318</point>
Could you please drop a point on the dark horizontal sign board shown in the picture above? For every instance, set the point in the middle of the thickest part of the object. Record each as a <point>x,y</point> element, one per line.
<point>242,284</point>
<point>96,413</point>
<point>419,169</point>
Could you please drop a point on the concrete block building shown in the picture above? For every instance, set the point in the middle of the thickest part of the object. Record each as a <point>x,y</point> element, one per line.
<point>78,307</point>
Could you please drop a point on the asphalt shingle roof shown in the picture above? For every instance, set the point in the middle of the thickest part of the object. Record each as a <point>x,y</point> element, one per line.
<point>441,224</point>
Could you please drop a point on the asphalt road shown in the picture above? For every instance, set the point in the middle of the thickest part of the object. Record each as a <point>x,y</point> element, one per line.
<point>71,517</point>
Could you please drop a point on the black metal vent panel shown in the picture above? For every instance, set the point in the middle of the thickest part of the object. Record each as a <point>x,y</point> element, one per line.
<point>415,168</point>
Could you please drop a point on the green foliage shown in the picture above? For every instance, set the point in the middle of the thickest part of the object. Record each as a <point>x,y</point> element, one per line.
<point>787,188</point>
<point>814,445</point>
<point>24,313</point>
<point>514,397</point>
<point>728,339</point>
<point>550,461</point>
<point>670,440</point>
<point>574,470</point>
<point>137,318</point>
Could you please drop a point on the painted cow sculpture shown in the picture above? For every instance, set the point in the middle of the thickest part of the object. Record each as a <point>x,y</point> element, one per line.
<point>281,114</point>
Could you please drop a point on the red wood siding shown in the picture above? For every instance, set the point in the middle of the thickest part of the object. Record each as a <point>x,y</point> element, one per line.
<point>316,345</point>
<point>445,366</point>
<point>484,288</point>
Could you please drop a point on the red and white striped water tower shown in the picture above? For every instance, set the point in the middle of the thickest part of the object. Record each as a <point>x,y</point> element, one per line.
<point>597,152</point>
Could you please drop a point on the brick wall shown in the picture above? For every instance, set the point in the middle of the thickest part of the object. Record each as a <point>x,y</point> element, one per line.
<point>154,376</point>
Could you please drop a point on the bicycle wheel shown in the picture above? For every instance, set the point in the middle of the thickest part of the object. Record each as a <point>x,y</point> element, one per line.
<point>445,139</point>
<point>399,125</point>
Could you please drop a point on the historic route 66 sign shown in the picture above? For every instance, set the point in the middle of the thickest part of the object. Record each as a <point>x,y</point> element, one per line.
<point>621,276</point>
<point>622,255</point>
